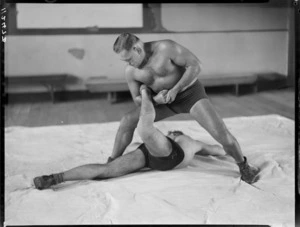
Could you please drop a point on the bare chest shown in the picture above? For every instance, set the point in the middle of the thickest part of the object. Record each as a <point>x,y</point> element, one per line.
<point>157,70</point>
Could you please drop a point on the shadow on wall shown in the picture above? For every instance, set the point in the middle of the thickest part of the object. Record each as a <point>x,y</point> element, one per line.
<point>78,53</point>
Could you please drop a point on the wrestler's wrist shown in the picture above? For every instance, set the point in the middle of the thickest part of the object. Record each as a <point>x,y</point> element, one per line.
<point>175,90</point>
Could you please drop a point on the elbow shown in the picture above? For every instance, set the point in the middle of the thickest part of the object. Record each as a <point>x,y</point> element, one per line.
<point>198,68</point>
<point>195,67</point>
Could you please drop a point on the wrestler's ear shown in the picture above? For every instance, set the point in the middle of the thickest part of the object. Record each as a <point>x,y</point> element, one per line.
<point>137,49</point>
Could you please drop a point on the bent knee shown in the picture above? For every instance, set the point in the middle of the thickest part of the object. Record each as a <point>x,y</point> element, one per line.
<point>145,131</point>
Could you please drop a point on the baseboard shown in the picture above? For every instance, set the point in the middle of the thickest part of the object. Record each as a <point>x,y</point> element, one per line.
<point>271,81</point>
<point>265,82</point>
<point>60,96</point>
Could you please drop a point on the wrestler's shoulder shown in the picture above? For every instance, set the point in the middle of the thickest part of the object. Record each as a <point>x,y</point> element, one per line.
<point>164,44</point>
<point>129,71</point>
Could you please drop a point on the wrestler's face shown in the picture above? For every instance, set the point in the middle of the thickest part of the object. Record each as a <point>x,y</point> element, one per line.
<point>133,57</point>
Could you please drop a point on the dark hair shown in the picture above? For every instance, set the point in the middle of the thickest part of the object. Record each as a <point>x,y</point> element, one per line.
<point>125,41</point>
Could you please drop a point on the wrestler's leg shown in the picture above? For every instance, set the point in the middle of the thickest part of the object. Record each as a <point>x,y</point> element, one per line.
<point>155,141</point>
<point>128,124</point>
<point>208,118</point>
<point>125,164</point>
<point>205,114</point>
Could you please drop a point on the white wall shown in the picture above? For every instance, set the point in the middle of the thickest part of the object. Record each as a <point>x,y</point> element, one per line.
<point>263,50</point>
<point>79,15</point>
<point>223,17</point>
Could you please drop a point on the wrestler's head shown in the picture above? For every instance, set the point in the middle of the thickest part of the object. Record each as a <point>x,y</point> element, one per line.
<point>174,134</point>
<point>130,49</point>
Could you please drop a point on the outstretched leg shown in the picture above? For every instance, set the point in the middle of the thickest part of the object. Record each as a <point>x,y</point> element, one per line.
<point>156,142</point>
<point>208,118</point>
<point>123,165</point>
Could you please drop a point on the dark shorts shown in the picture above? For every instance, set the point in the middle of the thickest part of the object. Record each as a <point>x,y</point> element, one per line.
<point>163,163</point>
<point>185,100</point>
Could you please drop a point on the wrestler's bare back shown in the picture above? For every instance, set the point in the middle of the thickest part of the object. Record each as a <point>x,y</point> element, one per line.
<point>160,72</point>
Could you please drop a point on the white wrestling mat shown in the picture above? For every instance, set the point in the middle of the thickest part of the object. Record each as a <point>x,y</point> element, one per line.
<point>209,191</point>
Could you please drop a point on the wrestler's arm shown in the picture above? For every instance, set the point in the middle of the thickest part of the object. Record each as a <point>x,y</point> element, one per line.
<point>134,86</point>
<point>207,149</point>
<point>182,57</point>
<point>198,147</point>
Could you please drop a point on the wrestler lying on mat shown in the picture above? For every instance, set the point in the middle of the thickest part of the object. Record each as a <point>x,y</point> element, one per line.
<point>158,152</point>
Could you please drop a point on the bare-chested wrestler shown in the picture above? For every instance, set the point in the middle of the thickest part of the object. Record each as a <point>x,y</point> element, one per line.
<point>158,152</point>
<point>171,72</point>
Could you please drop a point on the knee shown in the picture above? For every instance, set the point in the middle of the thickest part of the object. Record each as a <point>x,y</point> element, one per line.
<point>111,170</point>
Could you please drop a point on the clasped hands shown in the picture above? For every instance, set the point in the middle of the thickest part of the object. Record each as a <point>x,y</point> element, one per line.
<point>165,96</point>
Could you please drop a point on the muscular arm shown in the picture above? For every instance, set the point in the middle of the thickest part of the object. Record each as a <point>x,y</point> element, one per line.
<point>183,57</point>
<point>207,149</point>
<point>134,86</point>
<point>198,147</point>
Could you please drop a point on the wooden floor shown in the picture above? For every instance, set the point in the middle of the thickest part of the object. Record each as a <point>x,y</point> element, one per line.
<point>82,109</point>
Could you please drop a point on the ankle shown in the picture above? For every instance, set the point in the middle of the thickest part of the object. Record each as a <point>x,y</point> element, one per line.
<point>243,165</point>
<point>244,161</point>
<point>58,177</point>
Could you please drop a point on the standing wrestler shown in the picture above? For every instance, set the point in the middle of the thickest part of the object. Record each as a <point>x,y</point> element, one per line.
<point>171,71</point>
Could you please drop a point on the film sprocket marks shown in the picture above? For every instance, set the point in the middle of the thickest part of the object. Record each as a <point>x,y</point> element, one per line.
<point>3,24</point>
